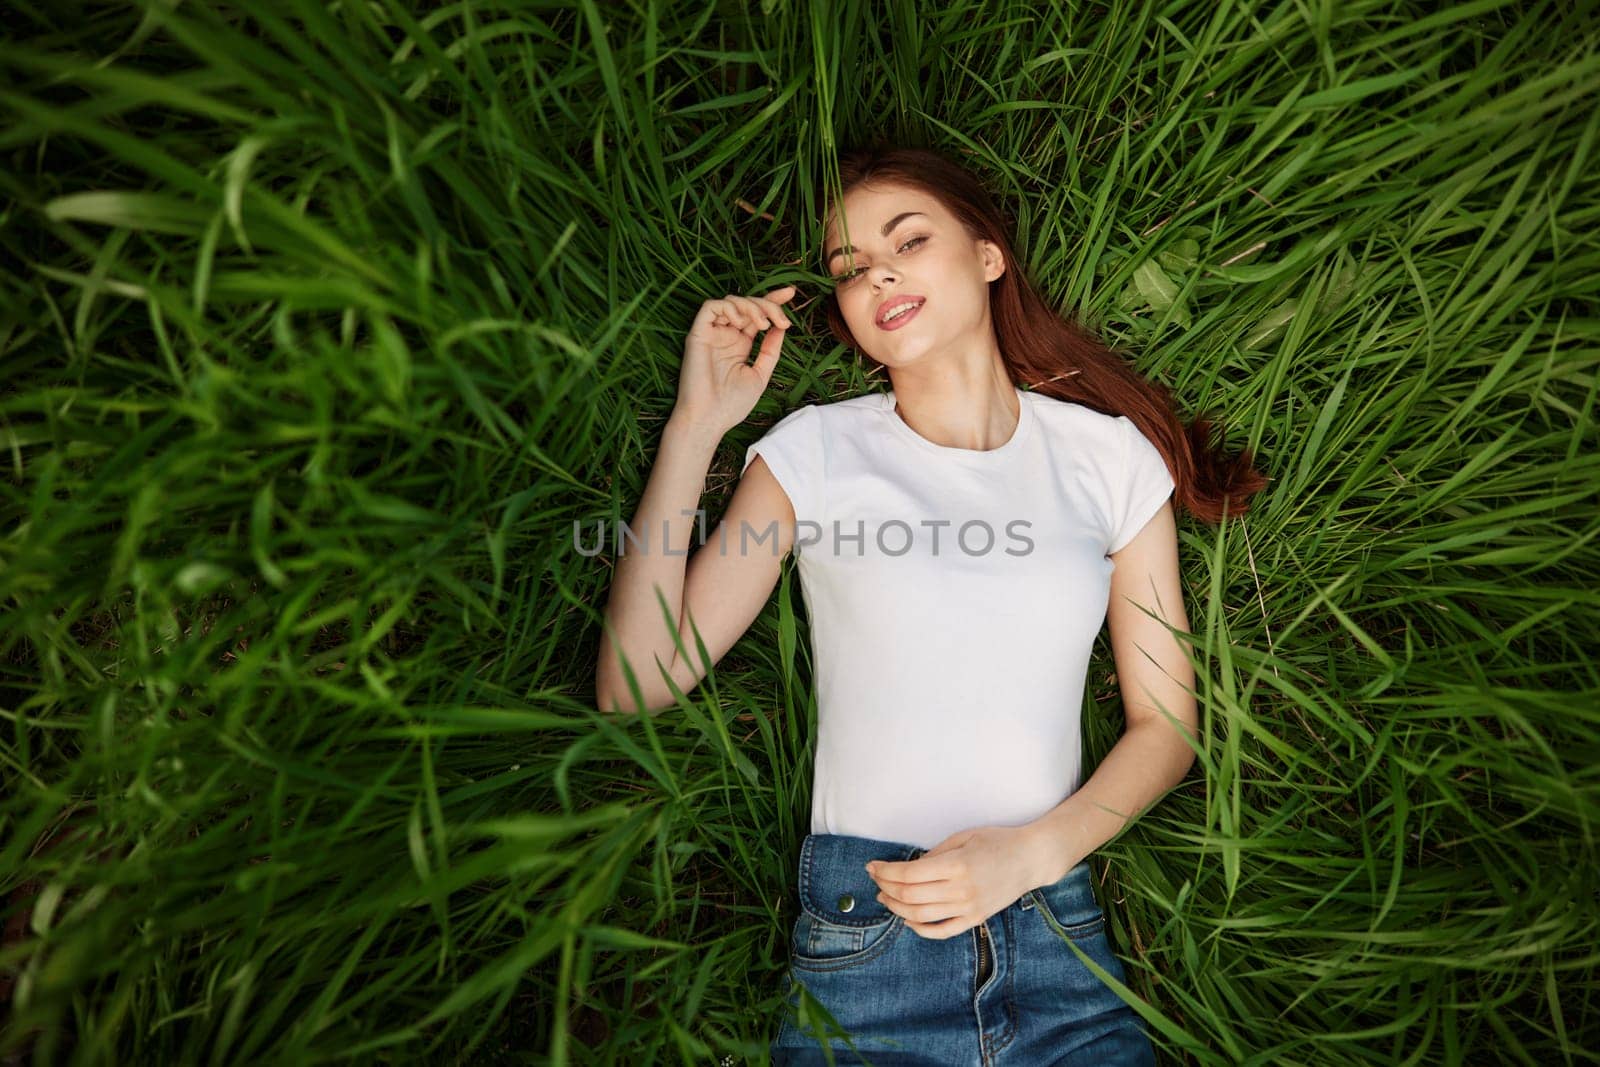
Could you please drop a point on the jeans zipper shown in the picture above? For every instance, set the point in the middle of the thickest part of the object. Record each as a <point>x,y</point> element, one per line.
<point>983,954</point>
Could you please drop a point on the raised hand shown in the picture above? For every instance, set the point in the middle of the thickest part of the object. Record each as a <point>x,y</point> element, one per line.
<point>717,389</point>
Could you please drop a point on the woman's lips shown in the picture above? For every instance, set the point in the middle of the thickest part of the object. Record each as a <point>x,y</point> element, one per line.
<point>900,320</point>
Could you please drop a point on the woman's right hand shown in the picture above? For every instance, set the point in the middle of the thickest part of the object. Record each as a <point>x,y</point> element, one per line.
<point>717,389</point>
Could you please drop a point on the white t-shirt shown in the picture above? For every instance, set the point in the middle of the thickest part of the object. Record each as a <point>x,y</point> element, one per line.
<point>954,598</point>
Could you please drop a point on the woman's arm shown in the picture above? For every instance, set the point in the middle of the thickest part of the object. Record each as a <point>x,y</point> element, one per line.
<point>635,623</point>
<point>715,592</point>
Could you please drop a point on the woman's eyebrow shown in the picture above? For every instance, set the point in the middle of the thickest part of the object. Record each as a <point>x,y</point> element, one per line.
<point>888,226</point>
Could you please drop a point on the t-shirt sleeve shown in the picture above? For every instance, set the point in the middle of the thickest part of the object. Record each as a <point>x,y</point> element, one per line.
<point>1142,487</point>
<point>793,451</point>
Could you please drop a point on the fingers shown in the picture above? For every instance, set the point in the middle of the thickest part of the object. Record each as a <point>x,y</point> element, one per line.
<point>931,920</point>
<point>767,355</point>
<point>750,314</point>
<point>941,931</point>
<point>763,312</point>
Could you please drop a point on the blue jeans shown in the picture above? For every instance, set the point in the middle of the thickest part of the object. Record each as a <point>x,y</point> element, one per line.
<point>1013,994</point>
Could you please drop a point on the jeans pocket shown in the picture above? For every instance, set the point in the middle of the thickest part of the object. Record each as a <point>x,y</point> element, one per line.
<point>818,944</point>
<point>841,923</point>
<point>1069,907</point>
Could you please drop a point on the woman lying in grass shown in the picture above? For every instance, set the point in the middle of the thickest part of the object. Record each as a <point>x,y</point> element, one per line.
<point>960,540</point>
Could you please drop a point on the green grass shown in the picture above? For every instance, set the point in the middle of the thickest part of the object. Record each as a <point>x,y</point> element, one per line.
<point>323,322</point>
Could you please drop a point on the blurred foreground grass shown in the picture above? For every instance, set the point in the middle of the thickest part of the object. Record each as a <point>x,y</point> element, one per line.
<point>324,323</point>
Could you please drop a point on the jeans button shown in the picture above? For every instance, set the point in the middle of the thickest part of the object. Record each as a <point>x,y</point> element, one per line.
<point>847,903</point>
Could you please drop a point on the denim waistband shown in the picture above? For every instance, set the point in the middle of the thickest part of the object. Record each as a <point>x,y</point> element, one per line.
<point>834,883</point>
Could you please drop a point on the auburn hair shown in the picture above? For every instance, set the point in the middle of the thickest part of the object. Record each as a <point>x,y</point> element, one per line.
<point>1052,353</point>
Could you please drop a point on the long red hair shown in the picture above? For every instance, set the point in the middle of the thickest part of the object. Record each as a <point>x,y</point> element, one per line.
<point>1053,354</point>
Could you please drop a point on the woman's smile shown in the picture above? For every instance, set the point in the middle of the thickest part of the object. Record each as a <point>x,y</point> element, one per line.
<point>900,318</point>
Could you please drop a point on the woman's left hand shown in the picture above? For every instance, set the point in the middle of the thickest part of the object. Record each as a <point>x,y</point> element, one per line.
<point>959,882</point>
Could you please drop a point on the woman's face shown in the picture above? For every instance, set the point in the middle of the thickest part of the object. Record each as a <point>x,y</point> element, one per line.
<point>906,245</point>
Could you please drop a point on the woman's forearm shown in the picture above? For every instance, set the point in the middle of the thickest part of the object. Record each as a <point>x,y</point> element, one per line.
<point>633,615</point>
<point>1147,761</point>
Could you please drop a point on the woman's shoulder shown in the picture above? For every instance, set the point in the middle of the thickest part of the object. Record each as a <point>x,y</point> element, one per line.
<point>840,413</point>
<point>852,404</point>
<point>824,418</point>
<point>1070,416</point>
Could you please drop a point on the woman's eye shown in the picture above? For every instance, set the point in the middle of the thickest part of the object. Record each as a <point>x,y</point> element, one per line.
<point>849,276</point>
